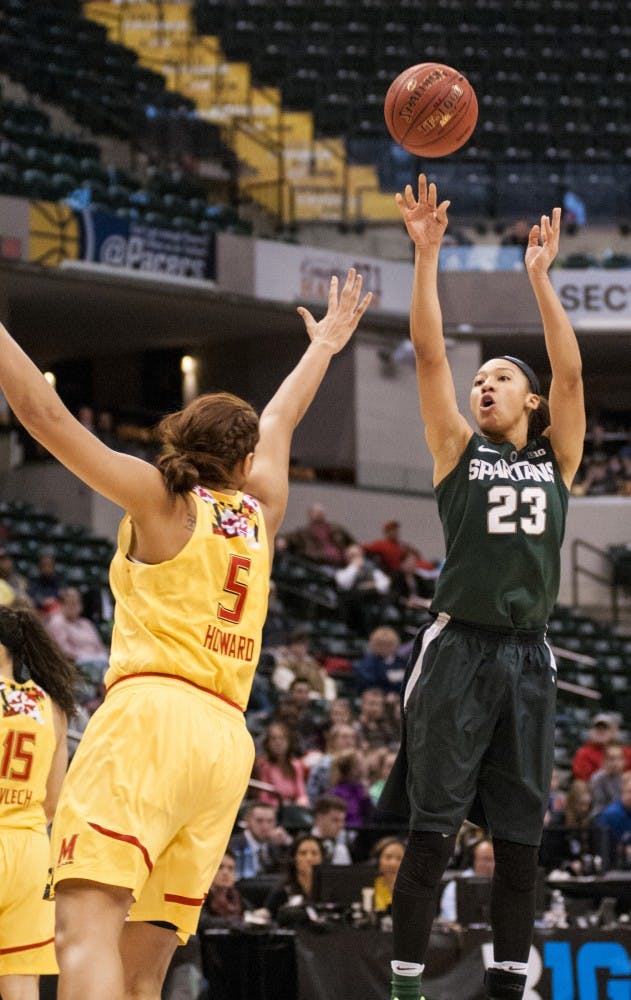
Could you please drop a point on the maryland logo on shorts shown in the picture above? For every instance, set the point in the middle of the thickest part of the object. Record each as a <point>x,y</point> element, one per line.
<point>67,849</point>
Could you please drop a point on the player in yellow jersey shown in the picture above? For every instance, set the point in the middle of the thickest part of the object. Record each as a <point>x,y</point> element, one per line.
<point>153,790</point>
<point>36,696</point>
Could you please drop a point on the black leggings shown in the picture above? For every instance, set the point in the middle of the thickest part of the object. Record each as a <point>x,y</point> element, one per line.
<point>416,894</point>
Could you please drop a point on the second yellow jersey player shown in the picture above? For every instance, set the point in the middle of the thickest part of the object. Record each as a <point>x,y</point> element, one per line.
<point>27,746</point>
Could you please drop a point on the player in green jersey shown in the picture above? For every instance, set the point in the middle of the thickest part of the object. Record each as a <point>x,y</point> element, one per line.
<point>479,693</point>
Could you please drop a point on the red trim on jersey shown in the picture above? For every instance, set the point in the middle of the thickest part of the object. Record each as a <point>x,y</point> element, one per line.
<point>26,947</point>
<point>170,897</point>
<point>177,677</point>
<point>127,838</point>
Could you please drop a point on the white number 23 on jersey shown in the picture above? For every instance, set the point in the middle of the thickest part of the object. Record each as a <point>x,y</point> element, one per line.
<point>502,517</point>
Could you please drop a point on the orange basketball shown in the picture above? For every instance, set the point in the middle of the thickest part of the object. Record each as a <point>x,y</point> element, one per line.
<point>431,109</point>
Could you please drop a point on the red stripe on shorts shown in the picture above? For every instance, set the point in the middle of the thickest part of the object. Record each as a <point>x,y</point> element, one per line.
<point>127,837</point>
<point>176,677</point>
<point>170,897</point>
<point>26,947</point>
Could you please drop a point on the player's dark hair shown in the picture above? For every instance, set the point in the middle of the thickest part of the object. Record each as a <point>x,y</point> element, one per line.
<point>202,443</point>
<point>37,655</point>
<point>539,419</point>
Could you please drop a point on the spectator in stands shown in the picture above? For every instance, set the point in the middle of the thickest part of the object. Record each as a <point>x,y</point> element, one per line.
<point>294,662</point>
<point>329,822</point>
<point>348,781</point>
<point>262,847</point>
<point>305,716</point>
<point>339,738</point>
<point>557,795</point>
<point>45,588</point>
<point>106,430</point>
<point>483,866</point>
<point>381,667</point>
<point>517,235</point>
<point>320,540</point>
<point>574,210</point>
<point>279,767</point>
<point>86,417</point>
<point>341,712</point>
<point>275,628</point>
<point>362,587</point>
<point>16,581</point>
<point>376,724</point>
<point>224,904</point>
<point>77,636</point>
<point>624,478</point>
<point>383,761</point>
<point>577,811</point>
<point>617,819</point>
<point>388,550</point>
<point>606,783</point>
<point>98,604</point>
<point>297,891</point>
<point>591,755</point>
<point>413,584</point>
<point>388,853</point>
<point>600,479</point>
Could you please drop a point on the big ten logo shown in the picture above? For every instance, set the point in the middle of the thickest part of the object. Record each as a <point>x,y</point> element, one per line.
<point>316,274</point>
<point>596,970</point>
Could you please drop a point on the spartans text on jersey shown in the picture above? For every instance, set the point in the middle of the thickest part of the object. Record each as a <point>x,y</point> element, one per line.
<point>517,472</point>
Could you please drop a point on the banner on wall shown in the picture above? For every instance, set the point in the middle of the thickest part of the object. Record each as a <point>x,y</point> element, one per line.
<point>567,964</point>
<point>296,273</point>
<point>48,233</point>
<point>136,246</point>
<point>595,296</point>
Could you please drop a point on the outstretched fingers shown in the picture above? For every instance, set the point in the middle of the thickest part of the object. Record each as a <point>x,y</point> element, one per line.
<point>408,197</point>
<point>333,286</point>
<point>363,305</point>
<point>308,320</point>
<point>441,211</point>
<point>533,236</point>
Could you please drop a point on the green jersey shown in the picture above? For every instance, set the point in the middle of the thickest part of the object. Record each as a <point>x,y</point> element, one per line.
<point>503,516</point>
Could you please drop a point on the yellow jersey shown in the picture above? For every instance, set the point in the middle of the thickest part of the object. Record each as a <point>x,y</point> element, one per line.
<point>198,616</point>
<point>27,745</point>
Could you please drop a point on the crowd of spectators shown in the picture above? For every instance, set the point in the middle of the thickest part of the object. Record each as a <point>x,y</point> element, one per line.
<point>606,466</point>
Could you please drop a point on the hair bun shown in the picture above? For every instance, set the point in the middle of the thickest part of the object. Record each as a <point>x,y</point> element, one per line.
<point>179,472</point>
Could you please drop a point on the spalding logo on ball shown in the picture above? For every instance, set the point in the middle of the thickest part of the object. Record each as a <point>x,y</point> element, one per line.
<point>431,109</point>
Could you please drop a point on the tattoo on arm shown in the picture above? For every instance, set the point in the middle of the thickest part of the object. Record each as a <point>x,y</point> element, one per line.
<point>191,521</point>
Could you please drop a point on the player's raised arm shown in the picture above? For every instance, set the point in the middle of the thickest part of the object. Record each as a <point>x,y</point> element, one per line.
<point>268,480</point>
<point>446,430</point>
<point>567,407</point>
<point>125,480</point>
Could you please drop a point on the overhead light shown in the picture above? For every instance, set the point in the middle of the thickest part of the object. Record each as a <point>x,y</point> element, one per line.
<point>51,378</point>
<point>188,364</point>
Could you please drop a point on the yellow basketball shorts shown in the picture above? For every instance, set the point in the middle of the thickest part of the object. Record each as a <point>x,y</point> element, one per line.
<point>151,796</point>
<point>27,920</point>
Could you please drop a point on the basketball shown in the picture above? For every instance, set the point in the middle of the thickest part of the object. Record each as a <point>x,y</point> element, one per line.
<point>431,109</point>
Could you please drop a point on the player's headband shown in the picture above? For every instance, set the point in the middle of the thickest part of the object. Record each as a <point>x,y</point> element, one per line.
<point>533,381</point>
